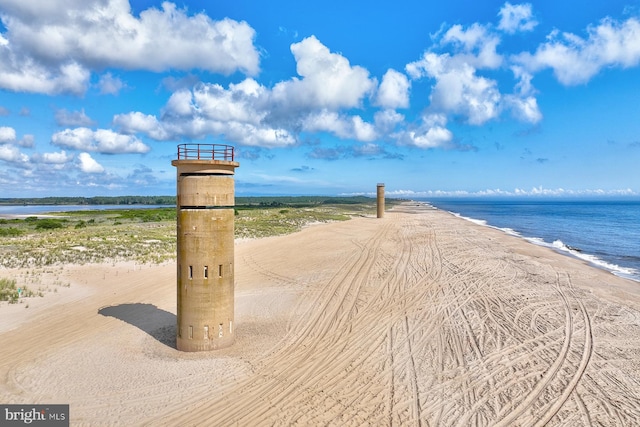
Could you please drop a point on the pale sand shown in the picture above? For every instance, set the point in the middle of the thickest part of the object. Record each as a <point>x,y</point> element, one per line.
<point>420,318</point>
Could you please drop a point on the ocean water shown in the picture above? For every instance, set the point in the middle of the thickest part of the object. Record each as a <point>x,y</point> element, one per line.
<point>605,233</point>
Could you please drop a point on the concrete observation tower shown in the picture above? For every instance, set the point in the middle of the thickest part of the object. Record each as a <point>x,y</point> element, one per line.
<point>205,227</point>
<point>380,200</point>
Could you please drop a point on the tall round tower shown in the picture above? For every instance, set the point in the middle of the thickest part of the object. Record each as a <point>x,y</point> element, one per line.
<point>205,227</point>
<point>380,200</point>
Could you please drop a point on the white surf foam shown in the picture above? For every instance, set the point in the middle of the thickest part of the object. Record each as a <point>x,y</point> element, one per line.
<point>560,246</point>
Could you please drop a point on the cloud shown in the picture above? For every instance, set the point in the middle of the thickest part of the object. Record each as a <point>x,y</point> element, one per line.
<point>142,176</point>
<point>56,158</point>
<point>386,121</point>
<point>328,80</point>
<point>51,48</point>
<point>52,161</point>
<point>138,122</point>
<point>27,141</point>
<point>303,169</point>
<point>7,135</point>
<point>174,84</point>
<point>251,114</point>
<point>431,133</point>
<point>394,90</point>
<point>20,73</point>
<point>110,85</point>
<point>367,150</point>
<point>102,141</point>
<point>72,118</point>
<point>476,46</point>
<point>514,18</point>
<point>461,90</point>
<point>429,137</point>
<point>345,127</point>
<point>4,111</point>
<point>517,192</point>
<point>575,60</point>
<point>334,153</point>
<point>87,164</point>
<point>11,154</point>
<point>458,89</point>
<point>238,113</point>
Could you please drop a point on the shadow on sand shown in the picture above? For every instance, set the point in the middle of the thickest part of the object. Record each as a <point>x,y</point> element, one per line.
<point>158,323</point>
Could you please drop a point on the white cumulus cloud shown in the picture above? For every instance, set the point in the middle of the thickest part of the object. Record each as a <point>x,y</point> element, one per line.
<point>49,47</point>
<point>56,158</point>
<point>251,114</point>
<point>394,90</point>
<point>102,141</point>
<point>458,88</point>
<point>346,127</point>
<point>328,79</point>
<point>7,135</point>
<point>239,113</point>
<point>135,122</point>
<point>518,17</point>
<point>575,60</point>
<point>88,164</point>
<point>109,84</point>
<point>476,46</point>
<point>72,118</point>
<point>431,133</point>
<point>11,154</point>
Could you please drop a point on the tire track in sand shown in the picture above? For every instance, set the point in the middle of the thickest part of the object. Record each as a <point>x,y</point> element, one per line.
<point>551,410</point>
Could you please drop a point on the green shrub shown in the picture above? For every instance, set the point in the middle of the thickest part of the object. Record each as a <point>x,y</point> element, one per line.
<point>10,232</point>
<point>48,224</point>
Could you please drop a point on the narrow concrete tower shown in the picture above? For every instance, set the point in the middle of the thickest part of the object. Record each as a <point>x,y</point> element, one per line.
<point>205,229</point>
<point>380,194</point>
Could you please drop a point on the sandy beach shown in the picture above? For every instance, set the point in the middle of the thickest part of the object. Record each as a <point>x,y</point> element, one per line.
<point>417,319</point>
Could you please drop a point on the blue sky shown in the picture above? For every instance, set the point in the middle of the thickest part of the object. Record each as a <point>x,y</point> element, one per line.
<point>331,97</point>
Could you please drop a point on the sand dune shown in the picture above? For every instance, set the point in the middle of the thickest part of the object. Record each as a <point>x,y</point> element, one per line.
<point>420,318</point>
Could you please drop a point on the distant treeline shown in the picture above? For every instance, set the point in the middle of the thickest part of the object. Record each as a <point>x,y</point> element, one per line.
<point>100,200</point>
<point>261,201</point>
<point>299,201</point>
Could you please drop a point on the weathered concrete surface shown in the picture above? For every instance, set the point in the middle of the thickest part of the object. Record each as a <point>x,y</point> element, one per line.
<point>380,194</point>
<point>205,254</point>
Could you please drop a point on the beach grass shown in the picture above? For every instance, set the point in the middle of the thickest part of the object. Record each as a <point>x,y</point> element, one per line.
<point>149,235</point>
<point>9,291</point>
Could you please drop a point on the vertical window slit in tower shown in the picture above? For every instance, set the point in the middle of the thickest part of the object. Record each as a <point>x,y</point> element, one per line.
<point>220,270</point>
<point>190,332</point>
<point>206,271</point>
<point>190,272</point>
